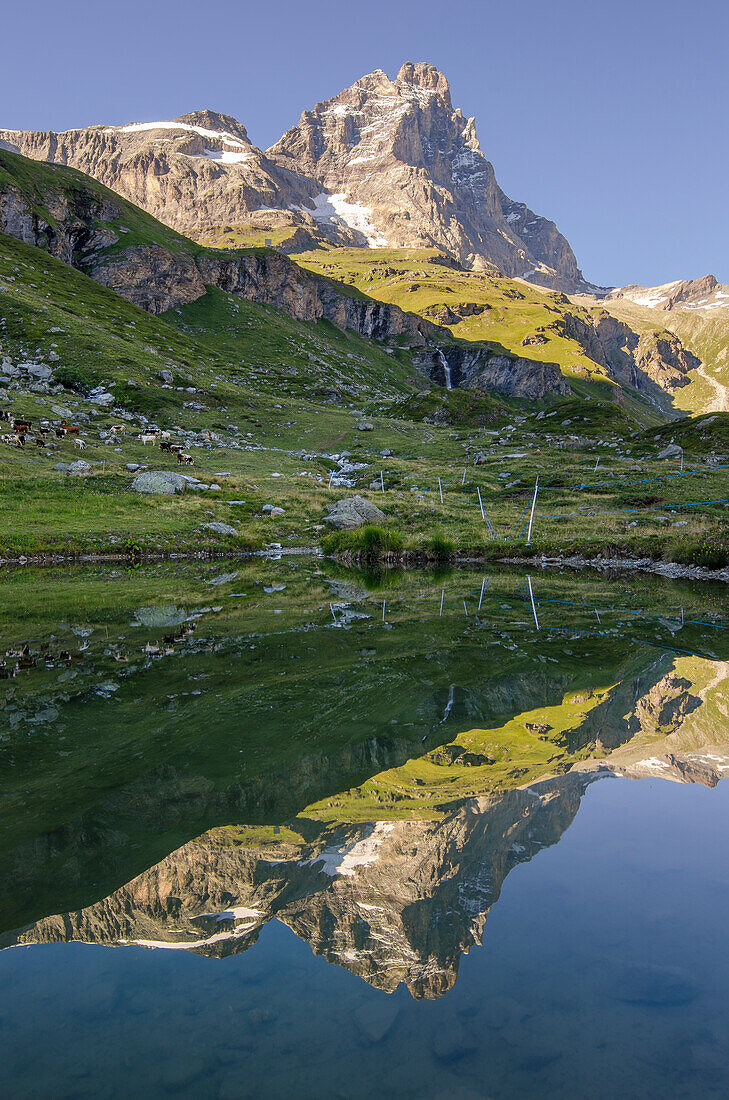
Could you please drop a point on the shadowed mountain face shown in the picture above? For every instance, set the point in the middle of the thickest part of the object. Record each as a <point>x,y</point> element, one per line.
<point>386,163</point>
<point>369,784</point>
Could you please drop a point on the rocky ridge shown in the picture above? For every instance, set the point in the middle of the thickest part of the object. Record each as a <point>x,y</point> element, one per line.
<point>86,227</point>
<point>383,163</point>
<point>703,295</point>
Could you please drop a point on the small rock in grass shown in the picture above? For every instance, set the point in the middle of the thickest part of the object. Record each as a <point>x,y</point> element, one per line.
<point>224,578</point>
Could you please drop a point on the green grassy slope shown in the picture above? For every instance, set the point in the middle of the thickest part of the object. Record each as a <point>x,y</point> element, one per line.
<point>471,305</point>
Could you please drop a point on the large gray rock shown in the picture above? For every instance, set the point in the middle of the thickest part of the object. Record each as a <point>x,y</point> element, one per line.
<point>352,512</point>
<point>80,468</point>
<point>671,451</point>
<point>159,481</point>
<point>39,371</point>
<point>219,528</point>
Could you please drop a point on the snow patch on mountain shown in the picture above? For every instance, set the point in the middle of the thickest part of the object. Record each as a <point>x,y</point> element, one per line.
<point>337,210</point>
<point>227,156</point>
<point>345,860</point>
<point>140,127</point>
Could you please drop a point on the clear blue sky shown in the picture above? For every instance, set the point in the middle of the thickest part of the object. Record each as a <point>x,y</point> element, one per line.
<point>609,118</point>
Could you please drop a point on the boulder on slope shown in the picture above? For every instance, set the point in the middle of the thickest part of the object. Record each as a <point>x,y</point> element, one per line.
<point>159,481</point>
<point>352,512</point>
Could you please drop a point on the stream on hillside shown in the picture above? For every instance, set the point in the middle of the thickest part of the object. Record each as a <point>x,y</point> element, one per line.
<point>285,829</point>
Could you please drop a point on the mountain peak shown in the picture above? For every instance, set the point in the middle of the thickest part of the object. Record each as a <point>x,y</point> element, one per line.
<point>215,122</point>
<point>424,75</point>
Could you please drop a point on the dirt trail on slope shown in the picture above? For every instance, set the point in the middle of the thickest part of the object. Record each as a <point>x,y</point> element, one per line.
<point>721,404</point>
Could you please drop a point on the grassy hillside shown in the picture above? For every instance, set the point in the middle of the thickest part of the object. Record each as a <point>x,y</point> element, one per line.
<point>472,306</point>
<point>40,182</point>
<point>706,334</point>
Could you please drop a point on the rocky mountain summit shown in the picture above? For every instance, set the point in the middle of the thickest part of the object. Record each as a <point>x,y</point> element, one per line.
<point>383,163</point>
<point>702,295</point>
<point>395,159</point>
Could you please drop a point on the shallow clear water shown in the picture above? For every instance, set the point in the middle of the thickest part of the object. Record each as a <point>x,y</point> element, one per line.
<point>449,856</point>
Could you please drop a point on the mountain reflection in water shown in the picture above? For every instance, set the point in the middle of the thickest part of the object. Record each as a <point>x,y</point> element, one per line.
<point>366,774</point>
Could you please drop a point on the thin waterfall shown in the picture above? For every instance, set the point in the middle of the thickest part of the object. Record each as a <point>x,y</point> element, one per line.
<point>449,704</point>
<point>446,369</point>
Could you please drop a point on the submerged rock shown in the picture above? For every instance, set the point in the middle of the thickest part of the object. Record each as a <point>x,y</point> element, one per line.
<point>161,616</point>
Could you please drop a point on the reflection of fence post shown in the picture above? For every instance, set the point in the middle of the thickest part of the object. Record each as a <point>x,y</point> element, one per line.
<point>531,514</point>
<point>442,597</point>
<point>480,502</point>
<point>531,594</point>
<point>480,599</point>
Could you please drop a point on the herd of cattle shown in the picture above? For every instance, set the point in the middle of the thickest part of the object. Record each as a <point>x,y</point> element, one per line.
<point>24,431</point>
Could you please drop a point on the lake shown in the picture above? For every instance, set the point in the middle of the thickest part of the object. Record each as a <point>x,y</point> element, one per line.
<point>278,828</point>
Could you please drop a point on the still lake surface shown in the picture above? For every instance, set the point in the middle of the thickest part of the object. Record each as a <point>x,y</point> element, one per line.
<point>283,829</point>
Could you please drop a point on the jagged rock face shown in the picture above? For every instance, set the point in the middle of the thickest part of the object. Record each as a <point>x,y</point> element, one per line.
<point>199,170</point>
<point>664,359</point>
<point>151,277</point>
<point>657,357</point>
<point>75,226</point>
<point>480,368</point>
<point>411,169</point>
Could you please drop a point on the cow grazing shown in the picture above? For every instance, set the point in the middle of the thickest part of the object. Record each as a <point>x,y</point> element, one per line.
<point>118,429</point>
<point>70,429</point>
<point>165,445</point>
<point>80,444</point>
<point>185,459</point>
<point>21,425</point>
<point>148,437</point>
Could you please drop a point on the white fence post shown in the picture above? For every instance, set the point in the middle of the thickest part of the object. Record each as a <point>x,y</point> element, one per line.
<point>531,514</point>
